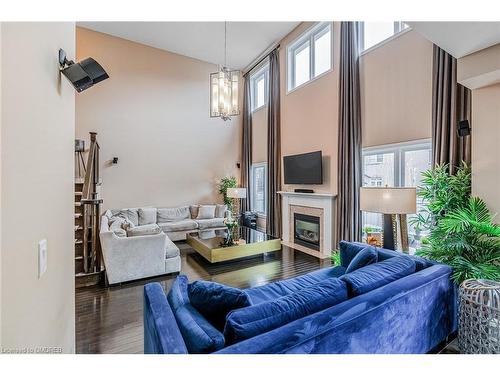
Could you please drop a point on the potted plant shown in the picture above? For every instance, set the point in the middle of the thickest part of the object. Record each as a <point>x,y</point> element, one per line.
<point>224,184</point>
<point>461,228</point>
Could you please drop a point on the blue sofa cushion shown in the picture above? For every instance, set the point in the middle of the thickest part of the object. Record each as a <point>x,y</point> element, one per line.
<point>348,250</point>
<point>379,274</point>
<point>272,291</point>
<point>365,257</point>
<point>254,320</point>
<point>199,335</point>
<point>214,301</point>
<point>420,263</point>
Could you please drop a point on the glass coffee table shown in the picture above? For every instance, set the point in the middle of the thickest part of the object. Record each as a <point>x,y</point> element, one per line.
<point>210,244</point>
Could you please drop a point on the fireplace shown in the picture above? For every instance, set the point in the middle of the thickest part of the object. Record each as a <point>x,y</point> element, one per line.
<point>306,230</point>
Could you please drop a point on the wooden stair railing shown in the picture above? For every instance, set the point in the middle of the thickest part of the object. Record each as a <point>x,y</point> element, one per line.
<point>88,267</point>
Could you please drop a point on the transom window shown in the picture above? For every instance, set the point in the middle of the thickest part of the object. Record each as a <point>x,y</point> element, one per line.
<point>398,165</point>
<point>258,188</point>
<point>310,55</point>
<point>373,33</point>
<point>259,85</point>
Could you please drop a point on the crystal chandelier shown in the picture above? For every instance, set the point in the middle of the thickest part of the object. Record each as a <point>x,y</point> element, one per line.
<point>224,89</point>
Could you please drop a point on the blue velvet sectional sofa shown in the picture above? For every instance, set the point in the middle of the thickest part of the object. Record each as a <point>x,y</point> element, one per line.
<point>376,301</point>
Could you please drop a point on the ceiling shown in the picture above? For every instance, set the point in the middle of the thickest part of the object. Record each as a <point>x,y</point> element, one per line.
<point>460,38</point>
<point>201,40</point>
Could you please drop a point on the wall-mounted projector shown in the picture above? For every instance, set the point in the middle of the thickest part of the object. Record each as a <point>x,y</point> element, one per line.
<point>83,74</point>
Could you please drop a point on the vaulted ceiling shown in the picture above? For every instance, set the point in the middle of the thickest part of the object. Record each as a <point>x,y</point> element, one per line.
<point>201,40</point>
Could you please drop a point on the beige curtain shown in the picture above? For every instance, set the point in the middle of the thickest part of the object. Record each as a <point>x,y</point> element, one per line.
<point>273,222</point>
<point>246,157</point>
<point>451,103</point>
<point>348,225</point>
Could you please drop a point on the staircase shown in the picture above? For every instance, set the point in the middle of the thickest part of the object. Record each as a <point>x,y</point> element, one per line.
<point>88,265</point>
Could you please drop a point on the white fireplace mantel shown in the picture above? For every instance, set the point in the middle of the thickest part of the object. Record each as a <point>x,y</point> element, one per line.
<point>323,201</point>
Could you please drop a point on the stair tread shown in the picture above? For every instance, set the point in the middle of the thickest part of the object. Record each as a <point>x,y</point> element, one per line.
<point>78,227</point>
<point>77,216</point>
<point>78,193</point>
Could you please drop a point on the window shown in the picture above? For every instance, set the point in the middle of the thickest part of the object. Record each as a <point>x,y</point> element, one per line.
<point>372,33</point>
<point>310,55</point>
<point>259,84</point>
<point>258,188</point>
<point>395,165</point>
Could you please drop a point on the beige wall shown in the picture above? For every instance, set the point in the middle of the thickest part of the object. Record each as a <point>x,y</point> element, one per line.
<point>153,114</point>
<point>309,114</point>
<point>485,146</point>
<point>396,91</point>
<point>480,72</point>
<point>37,134</point>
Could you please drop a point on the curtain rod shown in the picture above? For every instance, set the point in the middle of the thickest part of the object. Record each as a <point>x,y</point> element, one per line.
<point>260,58</point>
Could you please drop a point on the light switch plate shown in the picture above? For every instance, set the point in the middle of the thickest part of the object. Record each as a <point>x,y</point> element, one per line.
<point>42,257</point>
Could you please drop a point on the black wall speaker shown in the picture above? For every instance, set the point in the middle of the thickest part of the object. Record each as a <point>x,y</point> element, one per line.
<point>82,75</point>
<point>463,128</point>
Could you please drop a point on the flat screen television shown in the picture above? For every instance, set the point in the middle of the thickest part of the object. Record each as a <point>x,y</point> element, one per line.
<point>303,169</point>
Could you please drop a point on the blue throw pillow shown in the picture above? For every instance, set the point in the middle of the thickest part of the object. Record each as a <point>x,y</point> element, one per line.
<point>251,321</point>
<point>365,257</point>
<point>348,250</point>
<point>379,274</point>
<point>214,301</point>
<point>420,263</point>
<point>198,334</point>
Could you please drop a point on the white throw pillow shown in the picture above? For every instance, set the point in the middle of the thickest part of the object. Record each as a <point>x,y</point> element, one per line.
<point>206,212</point>
<point>147,215</point>
<point>144,230</point>
<point>129,213</point>
<point>220,210</point>
<point>166,215</point>
<point>115,226</point>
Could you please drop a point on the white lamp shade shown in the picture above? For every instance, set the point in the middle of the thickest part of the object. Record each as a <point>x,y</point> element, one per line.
<point>388,200</point>
<point>237,192</point>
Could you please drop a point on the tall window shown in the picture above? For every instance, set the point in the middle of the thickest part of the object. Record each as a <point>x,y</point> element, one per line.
<point>310,55</point>
<point>395,166</point>
<point>258,188</point>
<point>372,33</point>
<point>259,84</point>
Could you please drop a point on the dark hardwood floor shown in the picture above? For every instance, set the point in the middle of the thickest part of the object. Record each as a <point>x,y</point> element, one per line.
<point>109,320</point>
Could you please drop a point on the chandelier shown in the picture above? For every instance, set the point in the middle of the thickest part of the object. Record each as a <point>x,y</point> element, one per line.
<point>224,89</point>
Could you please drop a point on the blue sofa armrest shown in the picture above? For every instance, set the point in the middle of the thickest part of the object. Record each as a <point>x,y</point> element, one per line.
<point>161,333</point>
<point>410,315</point>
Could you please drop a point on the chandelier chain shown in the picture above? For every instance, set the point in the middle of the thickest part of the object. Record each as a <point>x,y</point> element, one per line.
<point>225,43</point>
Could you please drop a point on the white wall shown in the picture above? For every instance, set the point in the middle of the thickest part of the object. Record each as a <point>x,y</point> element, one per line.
<point>153,114</point>
<point>37,133</point>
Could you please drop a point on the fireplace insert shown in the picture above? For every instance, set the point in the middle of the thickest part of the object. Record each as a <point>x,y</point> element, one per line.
<point>306,230</point>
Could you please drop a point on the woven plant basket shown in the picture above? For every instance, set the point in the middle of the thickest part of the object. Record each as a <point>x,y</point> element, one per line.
<point>479,317</point>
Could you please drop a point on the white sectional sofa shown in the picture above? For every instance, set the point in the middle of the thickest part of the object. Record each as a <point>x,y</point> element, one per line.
<point>137,242</point>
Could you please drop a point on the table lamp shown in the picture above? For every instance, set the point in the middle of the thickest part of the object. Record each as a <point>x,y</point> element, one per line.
<point>394,203</point>
<point>236,194</point>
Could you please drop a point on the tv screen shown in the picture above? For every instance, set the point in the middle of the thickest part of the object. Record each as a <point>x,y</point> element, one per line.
<point>303,169</point>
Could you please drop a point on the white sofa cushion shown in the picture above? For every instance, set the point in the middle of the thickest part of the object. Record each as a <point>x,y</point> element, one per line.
<point>206,212</point>
<point>171,250</point>
<point>193,209</point>
<point>129,213</point>
<point>210,223</point>
<point>220,210</point>
<point>116,227</point>
<point>144,230</point>
<point>182,225</point>
<point>147,215</point>
<point>166,215</point>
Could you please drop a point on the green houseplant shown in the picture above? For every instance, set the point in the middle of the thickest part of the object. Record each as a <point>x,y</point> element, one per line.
<point>461,229</point>
<point>224,184</point>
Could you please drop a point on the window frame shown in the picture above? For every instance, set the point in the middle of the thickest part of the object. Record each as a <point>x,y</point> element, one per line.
<point>261,72</point>
<point>307,37</point>
<point>252,190</point>
<point>399,29</point>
